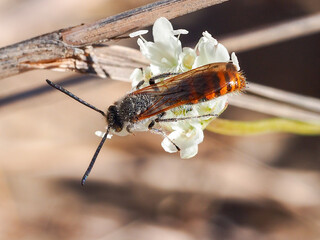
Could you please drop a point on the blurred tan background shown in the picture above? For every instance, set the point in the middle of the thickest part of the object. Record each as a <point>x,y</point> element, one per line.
<point>259,187</point>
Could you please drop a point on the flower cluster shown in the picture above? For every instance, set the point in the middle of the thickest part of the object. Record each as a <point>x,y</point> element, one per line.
<point>167,55</point>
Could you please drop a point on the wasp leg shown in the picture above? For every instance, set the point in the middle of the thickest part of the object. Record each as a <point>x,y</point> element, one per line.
<point>142,81</point>
<point>159,131</point>
<point>129,128</point>
<point>163,75</point>
<point>140,84</point>
<point>184,118</point>
<point>160,115</point>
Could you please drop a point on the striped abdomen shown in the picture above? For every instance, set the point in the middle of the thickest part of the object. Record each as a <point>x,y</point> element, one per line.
<point>215,80</point>
<point>224,81</point>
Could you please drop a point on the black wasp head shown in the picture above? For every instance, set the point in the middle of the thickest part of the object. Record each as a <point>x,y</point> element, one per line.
<point>113,119</point>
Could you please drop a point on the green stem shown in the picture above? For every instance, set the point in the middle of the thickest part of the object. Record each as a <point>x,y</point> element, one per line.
<point>229,127</point>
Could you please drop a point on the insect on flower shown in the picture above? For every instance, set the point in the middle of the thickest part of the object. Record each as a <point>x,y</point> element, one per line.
<point>147,106</point>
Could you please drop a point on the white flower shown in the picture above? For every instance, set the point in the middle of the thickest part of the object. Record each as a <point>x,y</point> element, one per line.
<point>235,61</point>
<point>181,137</point>
<point>166,55</point>
<point>210,51</point>
<point>101,134</point>
<point>187,58</point>
<point>164,52</point>
<point>138,75</point>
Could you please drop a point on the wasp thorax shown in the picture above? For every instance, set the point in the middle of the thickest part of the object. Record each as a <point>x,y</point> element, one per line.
<point>113,119</point>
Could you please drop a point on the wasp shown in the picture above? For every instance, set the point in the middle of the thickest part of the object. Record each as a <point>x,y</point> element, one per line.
<point>148,105</point>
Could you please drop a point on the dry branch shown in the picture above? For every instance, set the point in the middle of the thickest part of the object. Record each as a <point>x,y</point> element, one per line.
<point>308,103</point>
<point>273,34</point>
<point>275,108</point>
<point>68,48</point>
<point>115,26</point>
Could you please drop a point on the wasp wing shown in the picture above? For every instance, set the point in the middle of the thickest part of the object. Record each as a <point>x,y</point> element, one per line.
<point>161,86</point>
<point>185,88</point>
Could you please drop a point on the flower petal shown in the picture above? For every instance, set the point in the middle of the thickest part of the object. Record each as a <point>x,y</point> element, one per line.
<point>235,61</point>
<point>101,134</point>
<point>189,152</point>
<point>221,54</point>
<point>167,145</point>
<point>135,77</point>
<point>187,58</point>
<point>210,51</point>
<point>162,30</point>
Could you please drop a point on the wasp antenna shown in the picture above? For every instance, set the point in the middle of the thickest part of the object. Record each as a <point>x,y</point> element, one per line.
<point>86,174</point>
<point>65,91</point>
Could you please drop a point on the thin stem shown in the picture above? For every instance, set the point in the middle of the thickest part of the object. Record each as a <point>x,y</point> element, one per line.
<point>305,102</point>
<point>275,108</point>
<point>240,128</point>
<point>274,34</point>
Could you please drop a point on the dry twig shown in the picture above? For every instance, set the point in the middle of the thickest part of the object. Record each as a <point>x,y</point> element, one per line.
<point>273,34</point>
<point>67,48</point>
<point>267,106</point>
